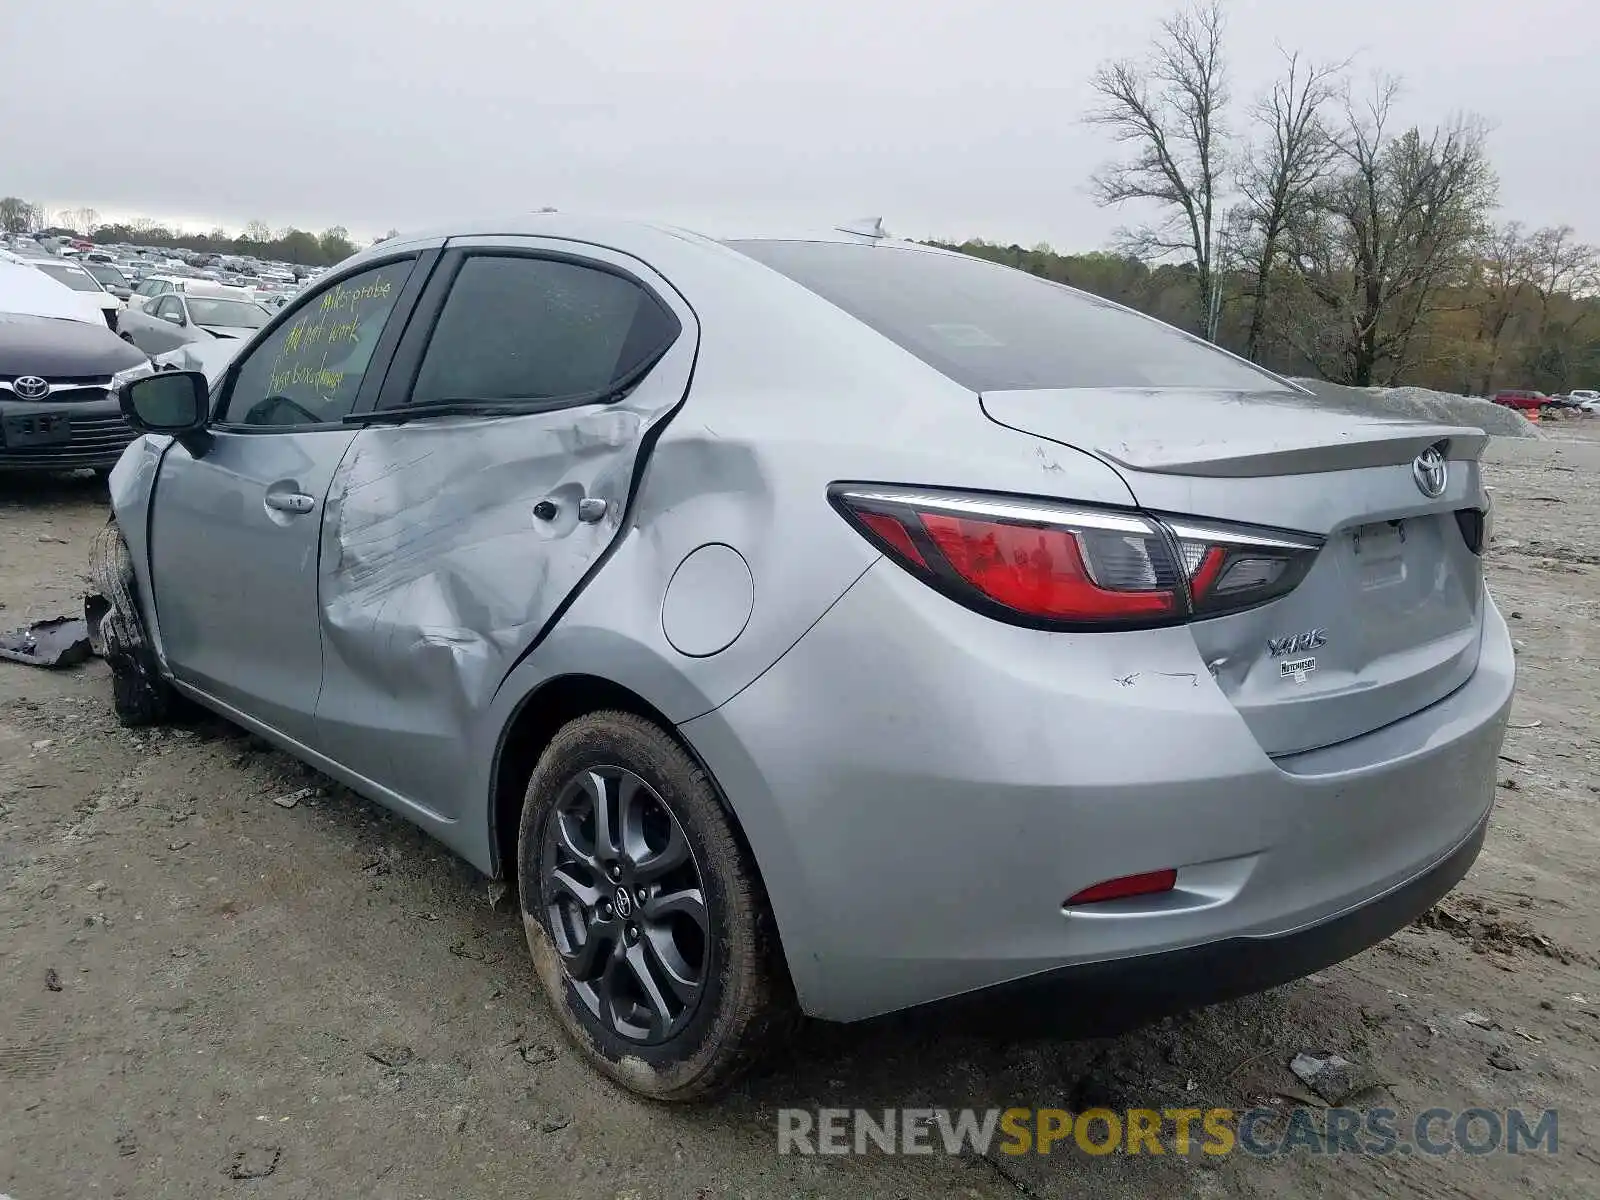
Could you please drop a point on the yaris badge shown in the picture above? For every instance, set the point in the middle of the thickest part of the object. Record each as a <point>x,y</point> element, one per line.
<point>1297,643</point>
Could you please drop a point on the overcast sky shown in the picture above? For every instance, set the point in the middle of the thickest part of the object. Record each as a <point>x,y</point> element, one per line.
<point>948,117</point>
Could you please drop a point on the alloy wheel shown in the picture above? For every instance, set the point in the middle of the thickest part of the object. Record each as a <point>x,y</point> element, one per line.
<point>625,905</point>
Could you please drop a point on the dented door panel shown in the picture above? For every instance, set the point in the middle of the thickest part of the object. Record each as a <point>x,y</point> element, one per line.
<point>449,545</point>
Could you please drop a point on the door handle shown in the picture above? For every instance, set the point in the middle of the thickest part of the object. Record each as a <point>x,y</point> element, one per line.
<point>590,509</point>
<point>291,502</point>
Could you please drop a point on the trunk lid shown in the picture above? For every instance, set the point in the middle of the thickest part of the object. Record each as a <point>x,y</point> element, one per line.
<point>1389,618</point>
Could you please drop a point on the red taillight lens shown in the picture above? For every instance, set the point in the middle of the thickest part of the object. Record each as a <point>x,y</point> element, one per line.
<point>1146,884</point>
<point>1044,572</point>
<point>1065,566</point>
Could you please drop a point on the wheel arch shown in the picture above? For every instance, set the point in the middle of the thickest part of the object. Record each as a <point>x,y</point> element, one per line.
<point>535,720</point>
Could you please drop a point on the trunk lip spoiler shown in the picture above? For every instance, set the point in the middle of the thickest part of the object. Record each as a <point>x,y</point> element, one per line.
<point>1462,443</point>
<point>1364,440</point>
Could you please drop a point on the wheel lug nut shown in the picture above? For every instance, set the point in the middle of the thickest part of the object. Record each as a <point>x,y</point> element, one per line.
<point>633,932</point>
<point>605,909</point>
<point>616,871</point>
<point>641,895</point>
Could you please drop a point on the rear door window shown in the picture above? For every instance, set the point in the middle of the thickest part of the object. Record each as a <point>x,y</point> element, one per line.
<point>522,329</point>
<point>992,328</point>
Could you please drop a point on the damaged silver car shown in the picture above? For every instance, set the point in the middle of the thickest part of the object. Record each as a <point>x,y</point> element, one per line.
<point>829,625</point>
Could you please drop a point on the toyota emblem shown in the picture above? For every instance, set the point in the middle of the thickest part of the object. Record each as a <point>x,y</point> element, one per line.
<point>30,387</point>
<point>1432,472</point>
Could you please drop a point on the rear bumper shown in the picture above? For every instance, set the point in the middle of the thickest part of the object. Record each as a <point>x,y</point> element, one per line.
<point>923,787</point>
<point>1107,997</point>
<point>99,436</point>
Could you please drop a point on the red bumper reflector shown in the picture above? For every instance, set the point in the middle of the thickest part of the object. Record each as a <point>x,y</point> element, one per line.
<point>1129,885</point>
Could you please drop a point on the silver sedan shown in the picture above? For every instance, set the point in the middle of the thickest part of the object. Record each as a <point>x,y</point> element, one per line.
<point>829,625</point>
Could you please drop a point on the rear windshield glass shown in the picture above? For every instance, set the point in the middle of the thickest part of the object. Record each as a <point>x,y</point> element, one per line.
<point>75,278</point>
<point>991,328</point>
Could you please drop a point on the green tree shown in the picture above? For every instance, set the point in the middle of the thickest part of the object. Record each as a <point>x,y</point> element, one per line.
<point>1398,223</point>
<point>335,244</point>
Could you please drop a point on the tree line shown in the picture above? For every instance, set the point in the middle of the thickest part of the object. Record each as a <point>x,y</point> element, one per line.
<point>290,245</point>
<point>1311,231</point>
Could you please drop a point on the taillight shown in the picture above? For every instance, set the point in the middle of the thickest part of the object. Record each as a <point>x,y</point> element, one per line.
<point>1232,567</point>
<point>1067,566</point>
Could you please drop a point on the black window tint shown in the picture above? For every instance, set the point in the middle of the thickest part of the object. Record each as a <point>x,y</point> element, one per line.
<point>309,370</point>
<point>516,328</point>
<point>992,328</point>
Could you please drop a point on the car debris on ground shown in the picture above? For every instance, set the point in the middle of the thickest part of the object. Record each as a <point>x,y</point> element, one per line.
<point>54,642</point>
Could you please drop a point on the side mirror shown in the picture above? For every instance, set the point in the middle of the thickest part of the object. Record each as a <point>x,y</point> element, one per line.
<point>175,402</point>
<point>172,317</point>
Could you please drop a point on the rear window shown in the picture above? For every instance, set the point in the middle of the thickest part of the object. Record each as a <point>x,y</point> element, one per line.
<point>991,328</point>
<point>75,278</point>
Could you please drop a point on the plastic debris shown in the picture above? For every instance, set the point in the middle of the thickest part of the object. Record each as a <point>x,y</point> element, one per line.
<point>54,643</point>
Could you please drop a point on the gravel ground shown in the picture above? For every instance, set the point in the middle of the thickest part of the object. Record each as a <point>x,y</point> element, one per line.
<point>197,984</point>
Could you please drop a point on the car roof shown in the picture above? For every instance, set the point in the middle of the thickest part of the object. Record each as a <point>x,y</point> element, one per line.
<point>600,229</point>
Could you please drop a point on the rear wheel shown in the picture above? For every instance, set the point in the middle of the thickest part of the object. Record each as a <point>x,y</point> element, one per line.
<point>647,924</point>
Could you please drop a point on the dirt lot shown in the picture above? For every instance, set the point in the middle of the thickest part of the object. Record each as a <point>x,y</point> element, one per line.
<point>197,984</point>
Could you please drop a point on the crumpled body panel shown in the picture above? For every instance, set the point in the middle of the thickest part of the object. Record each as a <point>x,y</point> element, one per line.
<point>449,547</point>
<point>435,572</point>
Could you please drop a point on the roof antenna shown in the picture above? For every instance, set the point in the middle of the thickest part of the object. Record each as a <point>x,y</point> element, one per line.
<point>869,227</point>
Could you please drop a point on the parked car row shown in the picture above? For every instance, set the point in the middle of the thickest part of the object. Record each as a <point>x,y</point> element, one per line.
<point>121,268</point>
<point>57,407</point>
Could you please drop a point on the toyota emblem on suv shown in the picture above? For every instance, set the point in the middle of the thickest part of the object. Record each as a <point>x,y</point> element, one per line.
<point>1432,472</point>
<point>30,387</point>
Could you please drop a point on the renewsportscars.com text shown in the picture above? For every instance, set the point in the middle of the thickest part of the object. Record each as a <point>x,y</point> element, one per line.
<point>1259,1132</point>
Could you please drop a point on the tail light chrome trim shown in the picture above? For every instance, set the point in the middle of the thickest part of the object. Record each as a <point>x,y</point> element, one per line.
<point>1057,565</point>
<point>1000,508</point>
<point>1185,529</point>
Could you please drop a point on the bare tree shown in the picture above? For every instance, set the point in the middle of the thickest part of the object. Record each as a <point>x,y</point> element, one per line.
<point>83,220</point>
<point>1560,264</point>
<point>1278,176</point>
<point>1502,275</point>
<point>1398,221</point>
<point>1169,109</point>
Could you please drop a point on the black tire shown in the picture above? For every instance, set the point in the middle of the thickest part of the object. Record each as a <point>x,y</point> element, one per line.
<point>744,1001</point>
<point>140,696</point>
